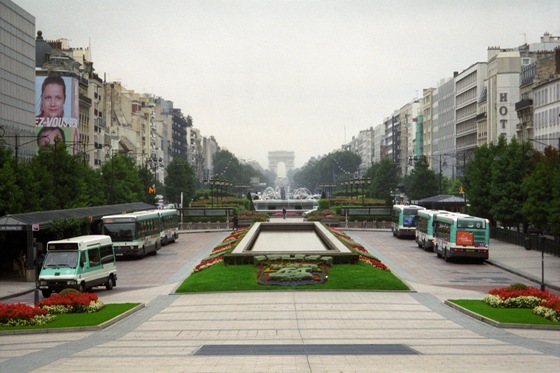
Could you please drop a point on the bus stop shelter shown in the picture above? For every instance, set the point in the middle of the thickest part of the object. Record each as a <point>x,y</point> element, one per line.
<point>447,202</point>
<point>22,235</point>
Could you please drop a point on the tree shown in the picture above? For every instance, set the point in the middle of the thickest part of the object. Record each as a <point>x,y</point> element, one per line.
<point>180,179</point>
<point>384,180</point>
<point>10,193</point>
<point>122,180</point>
<point>422,182</point>
<point>335,166</point>
<point>58,178</point>
<point>505,188</point>
<point>477,181</point>
<point>542,206</point>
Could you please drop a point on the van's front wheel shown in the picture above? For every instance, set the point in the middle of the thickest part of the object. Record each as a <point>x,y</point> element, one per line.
<point>46,293</point>
<point>110,283</point>
<point>82,287</point>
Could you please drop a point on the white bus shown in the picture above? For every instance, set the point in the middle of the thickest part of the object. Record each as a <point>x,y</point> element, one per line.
<point>403,220</point>
<point>134,234</point>
<point>169,225</point>
<point>425,224</point>
<point>461,236</point>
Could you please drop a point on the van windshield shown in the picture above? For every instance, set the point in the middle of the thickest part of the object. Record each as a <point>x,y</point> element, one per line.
<point>58,259</point>
<point>120,231</point>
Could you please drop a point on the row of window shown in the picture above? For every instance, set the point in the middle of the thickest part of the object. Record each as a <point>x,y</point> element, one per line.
<point>547,118</point>
<point>547,95</point>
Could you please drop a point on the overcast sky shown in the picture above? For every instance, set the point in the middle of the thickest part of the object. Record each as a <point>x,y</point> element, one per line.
<point>299,75</point>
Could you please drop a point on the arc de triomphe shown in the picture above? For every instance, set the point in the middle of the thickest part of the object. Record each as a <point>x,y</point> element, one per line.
<point>279,156</point>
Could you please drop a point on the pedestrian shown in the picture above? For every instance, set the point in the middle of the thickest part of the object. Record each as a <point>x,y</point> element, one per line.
<point>235,222</point>
<point>284,213</point>
<point>39,261</point>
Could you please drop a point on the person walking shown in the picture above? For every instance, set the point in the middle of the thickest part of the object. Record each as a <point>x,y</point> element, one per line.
<point>284,213</point>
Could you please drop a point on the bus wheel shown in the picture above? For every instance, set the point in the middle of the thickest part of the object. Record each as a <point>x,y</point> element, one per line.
<point>110,283</point>
<point>46,293</point>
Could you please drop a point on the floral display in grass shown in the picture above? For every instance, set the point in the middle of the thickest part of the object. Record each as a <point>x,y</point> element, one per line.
<point>542,302</point>
<point>217,255</point>
<point>206,263</point>
<point>73,302</point>
<point>235,235</point>
<point>19,314</point>
<point>292,273</point>
<point>364,255</point>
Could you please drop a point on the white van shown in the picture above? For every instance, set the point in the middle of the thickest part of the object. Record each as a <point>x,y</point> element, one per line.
<point>80,263</point>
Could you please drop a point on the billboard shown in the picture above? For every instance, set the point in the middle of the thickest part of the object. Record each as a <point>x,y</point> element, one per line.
<point>57,109</point>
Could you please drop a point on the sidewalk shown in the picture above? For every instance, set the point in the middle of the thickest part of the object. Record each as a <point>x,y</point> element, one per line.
<point>526,263</point>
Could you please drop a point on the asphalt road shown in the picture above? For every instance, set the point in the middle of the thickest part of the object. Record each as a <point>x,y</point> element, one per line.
<point>415,266</point>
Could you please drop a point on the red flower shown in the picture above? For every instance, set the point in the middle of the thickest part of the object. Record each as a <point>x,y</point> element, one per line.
<point>507,292</point>
<point>374,263</point>
<point>78,302</point>
<point>18,311</point>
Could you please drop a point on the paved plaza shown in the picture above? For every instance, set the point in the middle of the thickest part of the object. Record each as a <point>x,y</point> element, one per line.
<point>288,331</point>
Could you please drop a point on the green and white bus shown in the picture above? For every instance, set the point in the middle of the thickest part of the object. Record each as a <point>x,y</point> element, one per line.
<point>169,219</point>
<point>79,263</point>
<point>134,234</point>
<point>403,223</point>
<point>461,236</point>
<point>425,228</point>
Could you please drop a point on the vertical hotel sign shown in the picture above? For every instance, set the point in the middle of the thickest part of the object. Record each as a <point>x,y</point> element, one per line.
<point>57,110</point>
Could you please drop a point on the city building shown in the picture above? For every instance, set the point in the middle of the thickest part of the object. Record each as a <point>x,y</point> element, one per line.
<point>547,105</point>
<point>17,81</point>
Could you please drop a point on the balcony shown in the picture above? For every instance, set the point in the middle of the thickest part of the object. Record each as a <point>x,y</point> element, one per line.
<point>523,104</point>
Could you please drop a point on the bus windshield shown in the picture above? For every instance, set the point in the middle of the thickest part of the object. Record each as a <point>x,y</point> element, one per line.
<point>120,231</point>
<point>478,224</point>
<point>408,220</point>
<point>57,259</point>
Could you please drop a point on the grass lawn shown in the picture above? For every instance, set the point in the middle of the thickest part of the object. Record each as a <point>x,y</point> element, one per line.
<point>503,315</point>
<point>74,320</point>
<point>359,276</point>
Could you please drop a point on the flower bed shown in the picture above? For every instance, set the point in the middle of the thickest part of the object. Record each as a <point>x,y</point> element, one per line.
<point>19,314</point>
<point>72,302</point>
<point>217,254</point>
<point>543,303</point>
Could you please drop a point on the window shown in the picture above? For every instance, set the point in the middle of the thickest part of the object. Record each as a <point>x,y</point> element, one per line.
<point>94,258</point>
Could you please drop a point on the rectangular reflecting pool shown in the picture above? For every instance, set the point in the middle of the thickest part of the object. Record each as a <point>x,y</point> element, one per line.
<point>281,241</point>
<point>309,238</point>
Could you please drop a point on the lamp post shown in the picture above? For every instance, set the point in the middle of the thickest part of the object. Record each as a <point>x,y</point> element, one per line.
<point>541,240</point>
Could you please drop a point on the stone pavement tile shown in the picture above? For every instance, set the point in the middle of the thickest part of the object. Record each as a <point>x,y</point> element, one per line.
<point>550,336</point>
